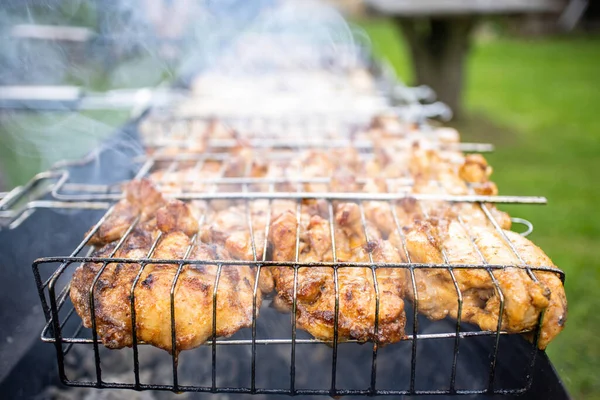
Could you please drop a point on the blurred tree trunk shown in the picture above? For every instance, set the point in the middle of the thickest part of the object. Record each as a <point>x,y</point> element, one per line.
<point>439,47</point>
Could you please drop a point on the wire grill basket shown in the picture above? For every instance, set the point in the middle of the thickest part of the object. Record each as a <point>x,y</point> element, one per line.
<point>65,329</point>
<point>274,356</point>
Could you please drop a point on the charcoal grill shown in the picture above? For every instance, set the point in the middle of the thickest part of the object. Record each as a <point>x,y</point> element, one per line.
<point>464,350</point>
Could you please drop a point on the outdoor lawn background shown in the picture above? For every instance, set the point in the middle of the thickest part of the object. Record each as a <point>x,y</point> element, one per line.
<point>538,101</point>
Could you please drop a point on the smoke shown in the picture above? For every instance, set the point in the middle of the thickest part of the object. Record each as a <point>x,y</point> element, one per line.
<point>174,38</point>
<point>151,43</point>
<point>272,37</point>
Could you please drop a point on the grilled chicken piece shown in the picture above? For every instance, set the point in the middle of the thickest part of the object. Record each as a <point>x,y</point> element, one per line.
<point>316,289</point>
<point>115,225</point>
<point>472,214</point>
<point>524,298</point>
<point>141,200</point>
<point>556,313</point>
<point>434,171</point>
<point>177,216</point>
<point>230,228</point>
<point>194,289</point>
<point>341,164</point>
<point>245,161</point>
<point>193,297</point>
<point>446,181</point>
<point>433,174</point>
<point>475,169</point>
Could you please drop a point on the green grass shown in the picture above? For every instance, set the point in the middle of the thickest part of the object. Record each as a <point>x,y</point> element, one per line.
<point>539,102</point>
<point>30,143</point>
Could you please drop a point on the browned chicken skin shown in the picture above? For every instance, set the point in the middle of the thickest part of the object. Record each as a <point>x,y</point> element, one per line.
<point>316,289</point>
<point>193,296</point>
<point>524,298</point>
<point>230,229</point>
<point>141,200</point>
<point>556,313</point>
<point>437,232</point>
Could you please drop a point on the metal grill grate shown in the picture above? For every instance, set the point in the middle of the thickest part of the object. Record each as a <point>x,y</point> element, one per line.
<point>65,329</point>
<point>174,144</point>
<point>284,131</point>
<point>59,310</point>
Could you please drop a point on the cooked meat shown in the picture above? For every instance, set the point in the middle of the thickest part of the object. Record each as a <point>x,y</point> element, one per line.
<point>404,160</point>
<point>474,215</point>
<point>317,163</point>
<point>177,216</point>
<point>229,228</point>
<point>115,225</point>
<point>556,313</point>
<point>475,169</point>
<point>111,293</point>
<point>245,162</point>
<point>470,212</point>
<point>316,289</point>
<point>524,298</point>
<point>193,296</point>
<point>141,200</point>
<point>195,176</point>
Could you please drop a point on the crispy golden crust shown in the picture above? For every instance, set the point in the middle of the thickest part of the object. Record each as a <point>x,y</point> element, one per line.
<point>141,200</point>
<point>555,316</point>
<point>316,289</point>
<point>193,297</point>
<point>193,293</point>
<point>524,298</point>
<point>435,233</point>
